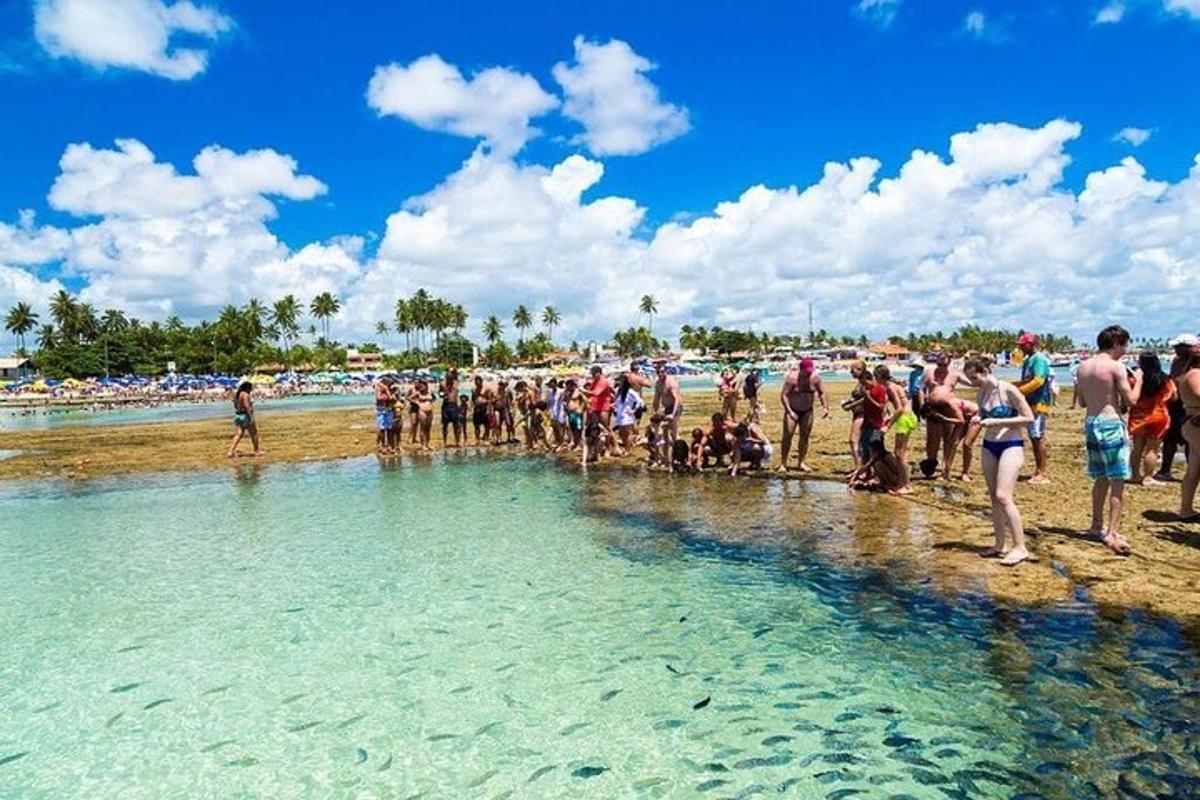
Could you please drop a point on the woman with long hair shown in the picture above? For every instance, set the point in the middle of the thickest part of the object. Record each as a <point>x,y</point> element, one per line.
<point>1003,417</point>
<point>1149,419</point>
<point>902,423</point>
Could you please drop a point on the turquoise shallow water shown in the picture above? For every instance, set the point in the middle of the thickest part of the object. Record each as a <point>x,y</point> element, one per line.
<point>479,627</point>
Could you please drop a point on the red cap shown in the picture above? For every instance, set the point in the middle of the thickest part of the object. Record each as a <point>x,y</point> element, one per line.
<point>1027,338</point>
<point>806,365</point>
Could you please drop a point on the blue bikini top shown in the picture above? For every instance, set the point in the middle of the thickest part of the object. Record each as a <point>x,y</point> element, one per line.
<point>999,412</point>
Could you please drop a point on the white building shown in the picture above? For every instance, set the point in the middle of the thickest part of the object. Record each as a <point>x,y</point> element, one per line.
<point>16,369</point>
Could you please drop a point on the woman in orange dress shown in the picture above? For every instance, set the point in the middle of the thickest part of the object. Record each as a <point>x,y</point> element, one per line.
<point>1149,419</point>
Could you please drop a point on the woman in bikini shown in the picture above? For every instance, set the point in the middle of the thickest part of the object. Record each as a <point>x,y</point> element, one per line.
<point>1003,417</point>
<point>1150,419</point>
<point>728,391</point>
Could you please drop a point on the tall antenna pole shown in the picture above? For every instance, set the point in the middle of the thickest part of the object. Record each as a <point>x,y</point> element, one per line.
<point>810,323</point>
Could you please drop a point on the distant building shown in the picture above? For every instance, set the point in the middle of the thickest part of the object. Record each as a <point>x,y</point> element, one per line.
<point>888,350</point>
<point>16,369</point>
<point>363,362</point>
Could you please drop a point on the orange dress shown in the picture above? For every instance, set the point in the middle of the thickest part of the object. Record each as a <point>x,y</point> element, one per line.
<point>1149,416</point>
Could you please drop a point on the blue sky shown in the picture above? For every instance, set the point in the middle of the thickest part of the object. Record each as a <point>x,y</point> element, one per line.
<point>771,93</point>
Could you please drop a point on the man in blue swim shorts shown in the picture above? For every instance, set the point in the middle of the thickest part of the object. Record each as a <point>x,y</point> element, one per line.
<point>1104,386</point>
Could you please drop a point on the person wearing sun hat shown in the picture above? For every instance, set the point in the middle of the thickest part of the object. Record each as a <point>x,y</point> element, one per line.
<point>1035,385</point>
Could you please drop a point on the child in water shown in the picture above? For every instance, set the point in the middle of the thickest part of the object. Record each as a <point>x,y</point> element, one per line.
<point>696,451</point>
<point>681,456</point>
<point>656,443</point>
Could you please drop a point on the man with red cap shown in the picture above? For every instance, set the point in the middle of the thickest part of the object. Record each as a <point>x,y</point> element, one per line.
<point>1035,385</point>
<point>799,388</point>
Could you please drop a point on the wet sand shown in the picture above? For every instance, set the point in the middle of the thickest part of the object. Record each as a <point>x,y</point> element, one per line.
<point>933,536</point>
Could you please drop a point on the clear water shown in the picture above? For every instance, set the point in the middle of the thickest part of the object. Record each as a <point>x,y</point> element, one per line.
<point>58,416</point>
<point>478,627</point>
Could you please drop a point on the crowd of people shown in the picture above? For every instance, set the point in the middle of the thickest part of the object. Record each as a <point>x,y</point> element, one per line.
<point>1131,415</point>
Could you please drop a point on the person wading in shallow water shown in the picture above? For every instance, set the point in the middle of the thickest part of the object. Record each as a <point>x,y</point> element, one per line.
<point>243,419</point>
<point>800,387</point>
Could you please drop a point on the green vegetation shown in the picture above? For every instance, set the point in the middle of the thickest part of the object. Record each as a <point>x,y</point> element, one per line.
<point>79,341</point>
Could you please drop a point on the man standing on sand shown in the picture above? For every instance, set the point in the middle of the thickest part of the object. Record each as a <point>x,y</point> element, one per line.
<point>1102,384</point>
<point>796,396</point>
<point>667,401</point>
<point>939,432</point>
<point>1186,346</point>
<point>1035,385</point>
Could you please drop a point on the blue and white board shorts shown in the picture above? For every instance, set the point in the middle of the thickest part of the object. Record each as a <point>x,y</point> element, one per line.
<point>385,419</point>
<point>1037,428</point>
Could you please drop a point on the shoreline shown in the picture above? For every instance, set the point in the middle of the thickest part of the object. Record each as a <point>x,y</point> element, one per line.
<point>1162,577</point>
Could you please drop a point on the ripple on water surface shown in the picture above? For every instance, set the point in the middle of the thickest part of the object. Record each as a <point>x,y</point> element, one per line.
<point>482,627</point>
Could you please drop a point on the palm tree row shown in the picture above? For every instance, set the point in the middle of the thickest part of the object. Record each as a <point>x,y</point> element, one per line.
<point>421,313</point>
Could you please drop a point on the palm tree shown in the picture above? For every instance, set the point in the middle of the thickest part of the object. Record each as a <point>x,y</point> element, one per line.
<point>63,308</point>
<point>522,319</point>
<point>382,329</point>
<point>403,321</point>
<point>20,321</point>
<point>47,337</point>
<point>459,319</point>
<point>492,328</point>
<point>550,318</point>
<point>649,307</point>
<point>324,306</point>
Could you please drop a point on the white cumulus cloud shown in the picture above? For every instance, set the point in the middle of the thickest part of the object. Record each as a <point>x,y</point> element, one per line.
<point>129,34</point>
<point>975,23</point>
<point>1135,137</point>
<point>984,230</point>
<point>1189,8</point>
<point>607,92</point>
<point>881,12</point>
<point>496,104</point>
<point>1110,13</point>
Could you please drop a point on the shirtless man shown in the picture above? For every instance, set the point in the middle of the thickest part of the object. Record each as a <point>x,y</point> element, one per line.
<point>505,424</point>
<point>451,410</point>
<point>637,381</point>
<point>939,434</point>
<point>718,441</point>
<point>482,397</point>
<point>667,401</point>
<point>799,388</point>
<point>1102,385</point>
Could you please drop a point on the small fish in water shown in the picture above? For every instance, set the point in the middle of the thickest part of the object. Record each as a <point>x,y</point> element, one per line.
<point>12,758</point>
<point>304,726</point>
<point>886,710</point>
<point>506,667</point>
<point>482,779</point>
<point>131,648</point>
<point>770,740</point>
<point>567,731</point>
<point>361,754</point>
<point>763,631</point>
<point>124,688</point>
<point>711,784</point>
<point>609,695</point>
<point>488,727</point>
<point>293,610</point>
<point>672,669</point>
<point>113,719</point>
<point>209,748</point>
<point>589,772</point>
<point>47,707</point>
<point>441,737</point>
<point>683,619</point>
<point>842,793</point>
<point>244,761</point>
<point>157,703</point>
<point>540,771</point>
<point>703,703</point>
<point>386,764</point>
<point>293,698</point>
<point>346,723</point>
<point>217,690</point>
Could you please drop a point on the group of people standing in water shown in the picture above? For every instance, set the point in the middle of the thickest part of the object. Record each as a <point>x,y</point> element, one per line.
<point>1131,415</point>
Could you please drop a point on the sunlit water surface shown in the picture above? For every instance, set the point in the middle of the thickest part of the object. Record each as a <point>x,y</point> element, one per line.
<point>485,627</point>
